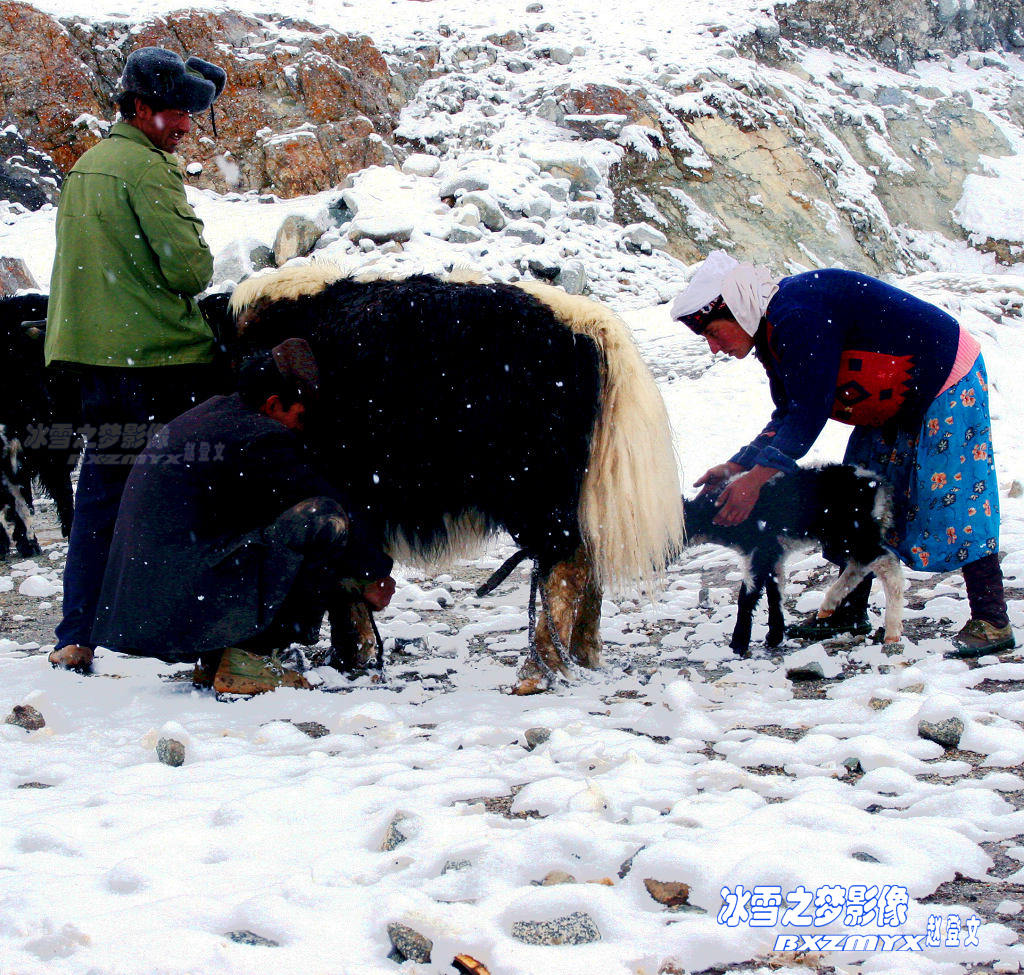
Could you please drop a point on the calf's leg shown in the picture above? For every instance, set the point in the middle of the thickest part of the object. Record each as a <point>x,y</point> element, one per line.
<point>776,621</point>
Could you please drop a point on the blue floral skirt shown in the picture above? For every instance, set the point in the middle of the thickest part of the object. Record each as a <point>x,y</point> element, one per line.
<point>945,493</point>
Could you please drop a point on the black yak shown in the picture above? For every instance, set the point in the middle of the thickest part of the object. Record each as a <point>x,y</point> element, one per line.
<point>845,509</point>
<point>454,409</point>
<point>38,417</point>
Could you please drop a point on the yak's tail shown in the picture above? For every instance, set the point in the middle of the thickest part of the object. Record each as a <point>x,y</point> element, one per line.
<point>630,512</point>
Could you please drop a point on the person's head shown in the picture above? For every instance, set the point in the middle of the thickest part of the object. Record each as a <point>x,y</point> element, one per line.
<point>282,383</point>
<point>725,303</point>
<point>159,93</point>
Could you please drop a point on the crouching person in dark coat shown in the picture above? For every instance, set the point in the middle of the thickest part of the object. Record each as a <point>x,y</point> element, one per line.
<point>230,543</point>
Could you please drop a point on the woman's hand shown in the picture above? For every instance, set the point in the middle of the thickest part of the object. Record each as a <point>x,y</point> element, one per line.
<point>738,497</point>
<point>737,500</point>
<point>714,476</point>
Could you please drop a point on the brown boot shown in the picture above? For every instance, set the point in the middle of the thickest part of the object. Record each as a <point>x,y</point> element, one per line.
<point>243,672</point>
<point>206,668</point>
<point>72,657</point>
<point>354,645</point>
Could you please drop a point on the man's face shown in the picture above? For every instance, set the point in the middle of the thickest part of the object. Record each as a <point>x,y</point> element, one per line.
<point>725,335</point>
<point>165,129</point>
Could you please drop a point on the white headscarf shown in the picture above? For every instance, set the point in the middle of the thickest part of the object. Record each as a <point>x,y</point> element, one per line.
<point>745,288</point>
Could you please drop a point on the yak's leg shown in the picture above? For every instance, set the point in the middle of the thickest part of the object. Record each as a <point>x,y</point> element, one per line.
<point>889,570</point>
<point>586,643</point>
<point>571,607</point>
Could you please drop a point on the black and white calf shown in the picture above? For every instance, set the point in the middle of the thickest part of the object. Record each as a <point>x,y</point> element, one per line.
<point>845,509</point>
<point>34,402</point>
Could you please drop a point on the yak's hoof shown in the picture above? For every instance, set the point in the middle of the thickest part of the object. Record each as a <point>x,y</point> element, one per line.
<point>774,639</point>
<point>741,650</point>
<point>530,679</point>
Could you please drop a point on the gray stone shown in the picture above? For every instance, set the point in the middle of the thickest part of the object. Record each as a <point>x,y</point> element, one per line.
<point>546,27</point>
<point>560,55</point>
<point>945,733</point>
<point>380,229</point>
<point>865,857</point>
<point>947,10</point>
<point>557,189</point>
<point>527,232</point>
<point>393,836</point>
<point>812,670</point>
<point>452,866</point>
<point>464,235</point>
<point>852,766</point>
<point>768,33</point>
<point>573,277</point>
<point>249,938</point>
<point>534,8</point>
<point>295,238</point>
<point>25,716</point>
<point>627,865</point>
<point>313,728</point>
<point>889,97</point>
<point>589,213</point>
<point>462,183</point>
<point>544,267</point>
<point>515,66</point>
<point>240,259</point>
<point>35,785</point>
<point>341,210</point>
<point>15,276</point>
<point>490,212</point>
<point>1016,490</point>
<point>539,206</point>
<point>577,928</point>
<point>420,164</point>
<point>551,111</point>
<point>170,752</point>
<point>639,234</point>
<point>410,944</point>
<point>535,737</point>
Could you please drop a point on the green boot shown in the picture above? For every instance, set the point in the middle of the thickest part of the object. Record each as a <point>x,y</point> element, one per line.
<point>243,672</point>
<point>978,638</point>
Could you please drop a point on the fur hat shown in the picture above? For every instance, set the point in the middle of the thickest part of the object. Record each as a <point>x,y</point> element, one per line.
<point>160,75</point>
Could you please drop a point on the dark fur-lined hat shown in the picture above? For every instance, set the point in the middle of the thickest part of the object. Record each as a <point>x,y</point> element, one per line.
<point>161,76</point>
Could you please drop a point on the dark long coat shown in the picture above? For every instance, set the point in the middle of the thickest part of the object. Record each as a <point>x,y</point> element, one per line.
<point>190,569</point>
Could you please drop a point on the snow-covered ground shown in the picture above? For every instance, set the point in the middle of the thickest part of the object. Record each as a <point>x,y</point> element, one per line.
<point>677,763</point>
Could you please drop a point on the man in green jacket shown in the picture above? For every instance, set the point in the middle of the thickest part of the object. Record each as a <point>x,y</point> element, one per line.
<point>130,260</point>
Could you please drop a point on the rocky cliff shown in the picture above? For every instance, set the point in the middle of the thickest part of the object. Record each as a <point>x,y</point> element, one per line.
<point>815,132</point>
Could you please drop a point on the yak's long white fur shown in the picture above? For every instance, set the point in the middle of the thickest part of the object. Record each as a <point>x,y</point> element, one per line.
<point>630,511</point>
<point>286,284</point>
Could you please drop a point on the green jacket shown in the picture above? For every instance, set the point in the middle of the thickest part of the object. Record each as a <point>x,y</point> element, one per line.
<point>130,258</point>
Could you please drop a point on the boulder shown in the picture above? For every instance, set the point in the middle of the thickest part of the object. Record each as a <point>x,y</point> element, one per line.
<point>573,277</point>
<point>420,164</point>
<point>25,716</point>
<point>296,237</point>
<point>380,229</point>
<point>240,259</point>
<point>15,276</point>
<point>490,213</point>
